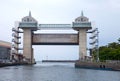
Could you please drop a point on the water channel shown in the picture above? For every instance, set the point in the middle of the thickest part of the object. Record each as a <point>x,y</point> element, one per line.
<point>55,72</point>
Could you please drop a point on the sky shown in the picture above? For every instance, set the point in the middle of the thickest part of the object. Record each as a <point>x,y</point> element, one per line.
<point>104,13</point>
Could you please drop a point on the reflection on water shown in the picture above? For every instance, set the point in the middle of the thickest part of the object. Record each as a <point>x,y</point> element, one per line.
<point>55,72</point>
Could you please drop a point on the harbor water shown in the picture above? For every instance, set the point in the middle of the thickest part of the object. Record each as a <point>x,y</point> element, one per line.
<point>55,72</point>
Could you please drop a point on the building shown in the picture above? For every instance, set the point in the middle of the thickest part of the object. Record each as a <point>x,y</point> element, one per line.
<point>5,48</point>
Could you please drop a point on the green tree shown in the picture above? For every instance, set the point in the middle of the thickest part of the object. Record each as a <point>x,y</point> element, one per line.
<point>110,51</point>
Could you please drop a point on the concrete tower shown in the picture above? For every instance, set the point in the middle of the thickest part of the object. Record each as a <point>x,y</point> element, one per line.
<point>82,24</point>
<point>28,24</point>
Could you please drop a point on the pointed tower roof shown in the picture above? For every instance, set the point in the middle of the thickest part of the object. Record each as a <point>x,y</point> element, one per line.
<point>81,18</point>
<point>29,22</point>
<point>81,22</point>
<point>29,19</point>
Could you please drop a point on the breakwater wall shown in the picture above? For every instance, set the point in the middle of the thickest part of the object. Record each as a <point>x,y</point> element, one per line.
<point>97,65</point>
<point>59,61</point>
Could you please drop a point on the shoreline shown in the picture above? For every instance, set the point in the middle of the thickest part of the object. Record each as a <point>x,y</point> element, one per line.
<point>11,64</point>
<point>78,64</point>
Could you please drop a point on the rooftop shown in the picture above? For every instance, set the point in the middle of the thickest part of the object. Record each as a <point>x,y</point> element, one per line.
<point>5,44</point>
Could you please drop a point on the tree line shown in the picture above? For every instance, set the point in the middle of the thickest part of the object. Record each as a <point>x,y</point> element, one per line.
<point>110,51</point>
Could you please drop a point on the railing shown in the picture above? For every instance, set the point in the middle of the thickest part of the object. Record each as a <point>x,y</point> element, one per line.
<point>28,24</point>
<point>54,26</point>
<point>88,24</point>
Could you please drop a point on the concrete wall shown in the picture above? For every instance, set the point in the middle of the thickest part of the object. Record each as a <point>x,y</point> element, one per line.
<point>27,44</point>
<point>97,65</point>
<point>82,44</point>
<point>4,53</point>
<point>5,44</point>
<point>5,48</point>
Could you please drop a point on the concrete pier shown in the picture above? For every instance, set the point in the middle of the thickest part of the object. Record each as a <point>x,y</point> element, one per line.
<point>97,65</point>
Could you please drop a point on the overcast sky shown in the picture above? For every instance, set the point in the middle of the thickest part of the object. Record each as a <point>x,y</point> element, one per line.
<point>104,13</point>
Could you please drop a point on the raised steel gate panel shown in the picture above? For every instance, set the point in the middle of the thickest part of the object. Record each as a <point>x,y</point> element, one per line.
<point>55,39</point>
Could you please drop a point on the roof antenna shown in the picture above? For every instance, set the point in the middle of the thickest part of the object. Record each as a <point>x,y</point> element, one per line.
<point>29,13</point>
<point>82,13</point>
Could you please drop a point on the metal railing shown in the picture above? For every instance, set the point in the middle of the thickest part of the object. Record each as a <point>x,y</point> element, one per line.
<point>54,26</point>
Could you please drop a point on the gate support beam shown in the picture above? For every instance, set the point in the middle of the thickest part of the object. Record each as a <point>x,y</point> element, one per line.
<point>27,46</point>
<point>82,44</point>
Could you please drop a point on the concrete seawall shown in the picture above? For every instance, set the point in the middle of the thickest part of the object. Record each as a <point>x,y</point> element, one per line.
<point>11,64</point>
<point>97,65</point>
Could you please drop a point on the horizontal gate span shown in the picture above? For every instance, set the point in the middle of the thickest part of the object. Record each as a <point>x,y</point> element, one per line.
<point>55,39</point>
